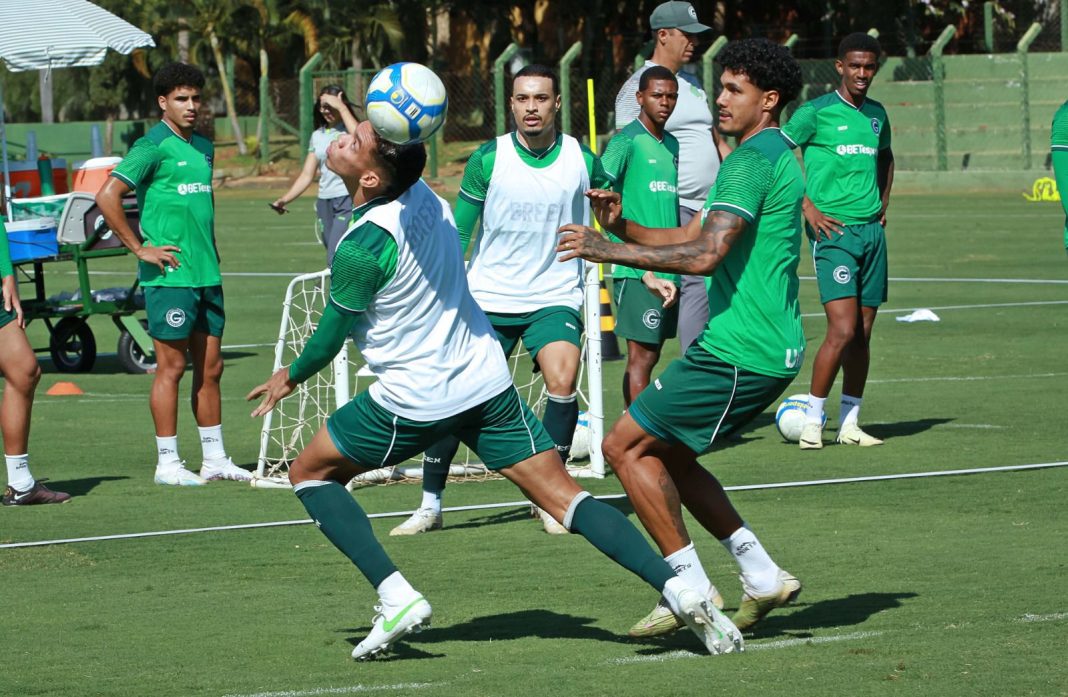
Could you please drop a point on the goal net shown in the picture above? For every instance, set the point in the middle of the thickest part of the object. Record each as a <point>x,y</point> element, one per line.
<point>291,424</point>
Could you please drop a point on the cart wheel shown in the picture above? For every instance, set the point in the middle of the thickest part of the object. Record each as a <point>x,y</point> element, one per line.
<point>131,357</point>
<point>72,346</point>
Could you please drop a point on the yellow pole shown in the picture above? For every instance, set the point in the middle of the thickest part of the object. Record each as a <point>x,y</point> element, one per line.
<point>593,149</point>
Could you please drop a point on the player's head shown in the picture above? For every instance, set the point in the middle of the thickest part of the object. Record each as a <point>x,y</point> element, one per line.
<point>324,115</point>
<point>675,29</point>
<point>658,92</point>
<point>363,159</point>
<point>535,100</point>
<point>858,61</point>
<point>759,78</point>
<point>178,87</point>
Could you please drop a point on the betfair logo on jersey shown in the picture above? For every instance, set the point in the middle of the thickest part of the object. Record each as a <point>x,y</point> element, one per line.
<point>194,188</point>
<point>857,150</point>
<point>533,212</point>
<point>660,186</point>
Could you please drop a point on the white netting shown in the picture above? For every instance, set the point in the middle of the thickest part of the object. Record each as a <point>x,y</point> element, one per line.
<point>294,420</point>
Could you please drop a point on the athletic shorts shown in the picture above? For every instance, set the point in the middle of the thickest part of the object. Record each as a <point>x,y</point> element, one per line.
<point>6,316</point>
<point>537,329</point>
<point>640,315</point>
<point>852,265</point>
<point>175,313</point>
<point>334,215</point>
<point>699,398</point>
<point>502,431</point>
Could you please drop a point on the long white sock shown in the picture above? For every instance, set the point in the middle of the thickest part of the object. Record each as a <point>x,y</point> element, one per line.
<point>167,451</point>
<point>431,500</point>
<point>211,443</point>
<point>18,472</point>
<point>814,413</point>
<point>395,590</point>
<point>759,570</point>
<point>850,411</point>
<point>688,567</point>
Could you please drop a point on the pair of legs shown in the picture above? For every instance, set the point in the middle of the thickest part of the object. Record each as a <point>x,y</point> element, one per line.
<point>645,323</point>
<point>847,344</point>
<point>21,372</point>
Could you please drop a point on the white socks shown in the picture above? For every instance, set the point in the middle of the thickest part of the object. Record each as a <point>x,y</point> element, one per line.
<point>688,567</point>
<point>211,443</point>
<point>395,591</point>
<point>814,413</point>
<point>18,472</point>
<point>167,452</point>
<point>850,410</point>
<point>431,500</point>
<point>760,572</point>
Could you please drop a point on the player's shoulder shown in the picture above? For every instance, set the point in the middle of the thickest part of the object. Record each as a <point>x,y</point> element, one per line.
<point>202,143</point>
<point>824,101</point>
<point>1061,115</point>
<point>874,106</point>
<point>690,79</point>
<point>764,148</point>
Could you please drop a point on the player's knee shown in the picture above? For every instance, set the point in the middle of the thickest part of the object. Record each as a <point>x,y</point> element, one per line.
<point>614,450</point>
<point>841,333</point>
<point>24,378</point>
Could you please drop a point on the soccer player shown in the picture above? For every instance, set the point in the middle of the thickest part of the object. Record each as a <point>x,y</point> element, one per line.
<point>1059,155</point>
<point>18,365</point>
<point>398,287</point>
<point>747,242</point>
<point>845,138</point>
<point>642,162</point>
<point>523,186</point>
<point>675,32</point>
<point>178,266</point>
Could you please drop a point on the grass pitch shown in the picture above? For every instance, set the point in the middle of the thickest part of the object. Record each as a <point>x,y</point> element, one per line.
<point>947,586</point>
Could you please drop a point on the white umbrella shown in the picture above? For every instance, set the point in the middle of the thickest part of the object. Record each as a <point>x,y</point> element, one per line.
<point>45,34</point>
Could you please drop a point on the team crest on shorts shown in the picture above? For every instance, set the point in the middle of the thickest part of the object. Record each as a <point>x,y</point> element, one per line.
<point>841,274</point>
<point>651,319</point>
<point>175,317</point>
<point>875,126</point>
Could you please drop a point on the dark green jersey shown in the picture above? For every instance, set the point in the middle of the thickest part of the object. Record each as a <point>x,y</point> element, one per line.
<point>1058,136</point>
<point>172,178</point>
<point>5,254</point>
<point>754,318</point>
<point>645,171</point>
<point>841,144</point>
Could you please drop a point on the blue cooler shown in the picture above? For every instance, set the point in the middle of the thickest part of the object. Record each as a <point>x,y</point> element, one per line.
<point>31,239</point>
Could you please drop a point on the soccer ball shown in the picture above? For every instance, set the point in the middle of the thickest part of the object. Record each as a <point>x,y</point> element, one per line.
<point>790,417</point>
<point>406,103</point>
<point>580,442</point>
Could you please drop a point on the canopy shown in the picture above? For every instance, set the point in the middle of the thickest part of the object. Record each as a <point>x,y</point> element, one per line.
<point>44,34</point>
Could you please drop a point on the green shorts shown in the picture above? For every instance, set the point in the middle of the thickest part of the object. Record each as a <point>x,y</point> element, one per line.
<point>502,431</point>
<point>537,329</point>
<point>175,313</point>
<point>699,398</point>
<point>640,315</point>
<point>6,316</point>
<point>852,265</point>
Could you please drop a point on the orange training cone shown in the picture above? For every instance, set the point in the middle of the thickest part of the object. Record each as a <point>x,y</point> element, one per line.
<point>64,388</point>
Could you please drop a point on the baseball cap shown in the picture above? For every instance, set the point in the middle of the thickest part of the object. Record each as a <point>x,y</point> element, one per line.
<point>676,15</point>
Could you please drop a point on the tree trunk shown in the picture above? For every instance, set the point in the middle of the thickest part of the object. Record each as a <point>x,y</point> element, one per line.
<point>261,125</point>
<point>228,95</point>
<point>44,82</point>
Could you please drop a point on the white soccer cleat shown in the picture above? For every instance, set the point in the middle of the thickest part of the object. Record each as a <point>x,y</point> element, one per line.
<point>390,624</point>
<point>548,523</point>
<point>224,469</point>
<point>661,620</point>
<point>712,627</point>
<point>423,520</point>
<point>811,436</point>
<point>178,475</point>
<point>850,434</point>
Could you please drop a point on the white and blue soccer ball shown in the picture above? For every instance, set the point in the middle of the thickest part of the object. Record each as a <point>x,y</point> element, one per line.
<point>406,103</point>
<point>790,417</point>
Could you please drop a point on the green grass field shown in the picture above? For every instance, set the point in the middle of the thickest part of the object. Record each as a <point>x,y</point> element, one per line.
<point>930,586</point>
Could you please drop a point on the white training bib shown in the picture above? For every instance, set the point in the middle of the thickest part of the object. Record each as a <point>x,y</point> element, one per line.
<point>423,335</point>
<point>514,265</point>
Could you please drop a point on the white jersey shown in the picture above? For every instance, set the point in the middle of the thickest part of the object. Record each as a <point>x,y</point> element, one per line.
<point>423,335</point>
<point>514,267</point>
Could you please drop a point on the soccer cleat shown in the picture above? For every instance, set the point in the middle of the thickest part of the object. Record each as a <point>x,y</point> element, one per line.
<point>850,434</point>
<point>716,632</point>
<point>385,631</point>
<point>423,520</point>
<point>224,469</point>
<point>811,436</point>
<point>754,607</point>
<point>178,475</point>
<point>548,523</point>
<point>661,620</point>
<point>36,494</point>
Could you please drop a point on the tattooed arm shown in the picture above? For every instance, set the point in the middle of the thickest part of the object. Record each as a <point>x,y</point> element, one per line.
<point>698,257</point>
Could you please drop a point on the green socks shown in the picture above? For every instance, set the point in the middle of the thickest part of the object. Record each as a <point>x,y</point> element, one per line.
<point>561,415</point>
<point>436,462</point>
<point>609,531</point>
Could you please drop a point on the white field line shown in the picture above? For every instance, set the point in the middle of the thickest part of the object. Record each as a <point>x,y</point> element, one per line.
<point>1056,616</point>
<point>943,308</point>
<point>1030,281</point>
<point>518,504</point>
<point>968,378</point>
<point>351,690</point>
<point>749,646</point>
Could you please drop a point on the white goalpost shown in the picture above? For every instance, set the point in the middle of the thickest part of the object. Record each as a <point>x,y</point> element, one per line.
<point>291,424</point>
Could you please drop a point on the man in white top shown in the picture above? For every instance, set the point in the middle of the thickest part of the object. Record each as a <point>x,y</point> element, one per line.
<point>398,288</point>
<point>675,29</point>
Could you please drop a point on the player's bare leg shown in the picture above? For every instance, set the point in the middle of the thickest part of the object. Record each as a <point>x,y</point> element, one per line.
<point>641,359</point>
<point>843,323</point>
<point>206,400</point>
<point>559,364</point>
<point>856,359</point>
<point>163,402</point>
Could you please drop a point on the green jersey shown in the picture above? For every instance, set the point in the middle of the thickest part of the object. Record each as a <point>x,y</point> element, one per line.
<point>6,269</point>
<point>1058,137</point>
<point>172,178</point>
<point>365,261</point>
<point>841,144</point>
<point>754,319</point>
<point>645,171</point>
